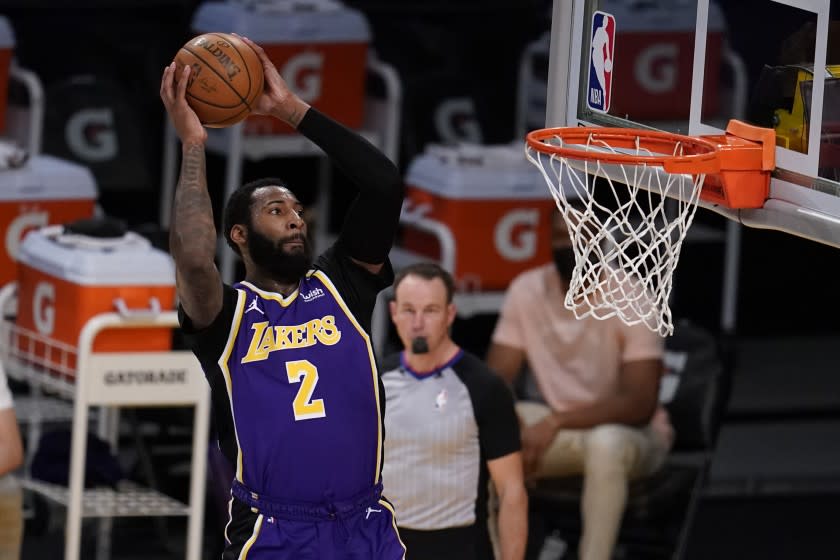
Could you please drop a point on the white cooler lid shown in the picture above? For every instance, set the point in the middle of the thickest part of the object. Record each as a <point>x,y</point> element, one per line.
<point>47,178</point>
<point>472,171</point>
<point>284,21</point>
<point>7,35</point>
<point>128,261</point>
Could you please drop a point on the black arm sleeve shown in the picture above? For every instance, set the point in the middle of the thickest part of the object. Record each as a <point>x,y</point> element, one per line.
<point>371,223</point>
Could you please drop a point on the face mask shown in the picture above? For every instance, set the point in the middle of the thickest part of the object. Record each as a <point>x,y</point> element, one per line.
<point>564,260</point>
<point>419,345</point>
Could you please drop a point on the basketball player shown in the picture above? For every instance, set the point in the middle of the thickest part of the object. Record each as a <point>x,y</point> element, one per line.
<point>296,393</point>
<point>451,426</point>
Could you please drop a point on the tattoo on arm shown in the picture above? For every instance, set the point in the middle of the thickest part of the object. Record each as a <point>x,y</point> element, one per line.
<point>192,240</point>
<point>296,116</point>
<point>292,114</point>
<point>193,234</point>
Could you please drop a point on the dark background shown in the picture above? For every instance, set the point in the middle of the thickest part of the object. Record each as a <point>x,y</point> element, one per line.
<point>441,50</point>
<point>788,292</point>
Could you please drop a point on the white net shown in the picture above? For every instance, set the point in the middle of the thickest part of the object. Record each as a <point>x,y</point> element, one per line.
<point>627,223</point>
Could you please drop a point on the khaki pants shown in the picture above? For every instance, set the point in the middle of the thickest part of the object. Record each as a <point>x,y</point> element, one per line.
<point>608,456</point>
<point>11,520</point>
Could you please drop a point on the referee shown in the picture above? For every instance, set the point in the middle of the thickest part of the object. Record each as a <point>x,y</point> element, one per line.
<point>450,426</point>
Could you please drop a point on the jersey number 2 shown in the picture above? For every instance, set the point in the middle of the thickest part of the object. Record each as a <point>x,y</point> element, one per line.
<point>303,372</point>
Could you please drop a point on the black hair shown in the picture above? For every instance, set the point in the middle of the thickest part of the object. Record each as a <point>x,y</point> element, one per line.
<point>238,207</point>
<point>427,271</point>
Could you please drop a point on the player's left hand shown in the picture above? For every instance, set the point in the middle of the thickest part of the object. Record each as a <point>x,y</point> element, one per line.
<point>277,99</point>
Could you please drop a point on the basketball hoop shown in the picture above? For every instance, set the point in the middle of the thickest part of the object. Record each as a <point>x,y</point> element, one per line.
<point>627,236</point>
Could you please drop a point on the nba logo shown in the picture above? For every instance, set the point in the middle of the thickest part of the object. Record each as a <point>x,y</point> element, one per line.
<point>601,62</point>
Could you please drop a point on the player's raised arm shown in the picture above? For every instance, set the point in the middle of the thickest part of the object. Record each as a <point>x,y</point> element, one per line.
<point>192,236</point>
<point>371,223</point>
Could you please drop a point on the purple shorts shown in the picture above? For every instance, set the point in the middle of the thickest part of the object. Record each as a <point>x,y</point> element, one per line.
<point>360,528</point>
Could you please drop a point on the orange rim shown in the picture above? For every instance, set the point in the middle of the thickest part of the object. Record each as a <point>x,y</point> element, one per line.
<point>699,155</point>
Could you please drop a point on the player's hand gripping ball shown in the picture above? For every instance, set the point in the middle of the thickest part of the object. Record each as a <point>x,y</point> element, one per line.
<point>226,78</point>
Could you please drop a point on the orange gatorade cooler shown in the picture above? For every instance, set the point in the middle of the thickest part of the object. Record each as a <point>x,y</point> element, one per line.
<point>7,45</point>
<point>494,204</point>
<point>45,191</point>
<point>64,279</point>
<point>319,47</point>
<point>654,50</point>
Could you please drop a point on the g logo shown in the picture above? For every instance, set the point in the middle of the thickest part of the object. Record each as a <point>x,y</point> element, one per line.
<point>303,73</point>
<point>43,308</point>
<point>519,246</point>
<point>19,227</point>
<point>656,68</point>
<point>455,121</point>
<point>90,135</point>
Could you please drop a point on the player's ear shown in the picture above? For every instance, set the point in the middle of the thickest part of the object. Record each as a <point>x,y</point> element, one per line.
<point>392,307</point>
<point>239,234</point>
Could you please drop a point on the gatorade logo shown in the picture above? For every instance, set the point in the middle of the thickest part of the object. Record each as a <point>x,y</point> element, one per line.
<point>90,135</point>
<point>456,121</point>
<point>43,308</point>
<point>516,235</point>
<point>20,226</point>
<point>146,377</point>
<point>656,67</point>
<point>303,73</point>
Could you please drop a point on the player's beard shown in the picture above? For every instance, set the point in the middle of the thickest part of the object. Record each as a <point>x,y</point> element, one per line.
<point>282,265</point>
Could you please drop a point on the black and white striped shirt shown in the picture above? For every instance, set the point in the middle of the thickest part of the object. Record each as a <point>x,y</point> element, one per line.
<point>441,428</point>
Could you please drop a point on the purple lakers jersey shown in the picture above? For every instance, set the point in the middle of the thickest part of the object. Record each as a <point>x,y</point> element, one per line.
<point>296,394</point>
<point>304,393</point>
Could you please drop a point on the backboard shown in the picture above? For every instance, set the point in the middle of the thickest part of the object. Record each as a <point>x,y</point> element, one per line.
<point>689,66</point>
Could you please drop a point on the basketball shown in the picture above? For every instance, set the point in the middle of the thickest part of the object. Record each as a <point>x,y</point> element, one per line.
<point>226,77</point>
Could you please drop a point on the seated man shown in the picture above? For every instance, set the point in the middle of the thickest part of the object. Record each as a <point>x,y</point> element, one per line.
<point>599,383</point>
<point>449,421</point>
<point>11,457</point>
